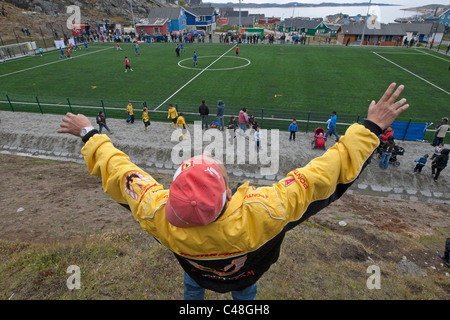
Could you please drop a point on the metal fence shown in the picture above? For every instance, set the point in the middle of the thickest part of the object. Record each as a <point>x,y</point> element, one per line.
<point>267,118</point>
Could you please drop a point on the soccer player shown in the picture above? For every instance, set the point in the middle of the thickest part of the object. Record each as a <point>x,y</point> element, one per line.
<point>145,118</point>
<point>127,64</point>
<point>177,50</point>
<point>86,45</point>
<point>173,114</point>
<point>118,46</point>
<point>41,51</point>
<point>195,59</point>
<point>68,53</point>
<point>237,51</point>
<point>136,53</point>
<point>181,47</point>
<point>130,113</point>
<point>61,53</point>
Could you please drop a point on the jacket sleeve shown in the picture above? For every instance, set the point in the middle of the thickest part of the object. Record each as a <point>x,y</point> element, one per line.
<point>122,180</point>
<point>307,190</point>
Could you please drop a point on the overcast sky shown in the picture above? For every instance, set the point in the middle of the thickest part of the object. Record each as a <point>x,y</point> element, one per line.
<point>409,3</point>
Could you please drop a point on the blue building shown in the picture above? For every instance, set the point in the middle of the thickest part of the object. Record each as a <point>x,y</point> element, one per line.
<point>176,16</point>
<point>201,19</point>
<point>445,18</point>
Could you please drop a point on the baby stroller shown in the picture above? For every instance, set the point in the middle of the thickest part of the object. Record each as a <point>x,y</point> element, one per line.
<point>319,139</point>
<point>398,151</point>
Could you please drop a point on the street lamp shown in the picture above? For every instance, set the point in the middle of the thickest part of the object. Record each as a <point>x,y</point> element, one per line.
<point>364,28</point>
<point>132,17</point>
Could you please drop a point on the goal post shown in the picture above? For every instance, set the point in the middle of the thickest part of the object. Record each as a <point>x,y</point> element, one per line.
<point>17,50</point>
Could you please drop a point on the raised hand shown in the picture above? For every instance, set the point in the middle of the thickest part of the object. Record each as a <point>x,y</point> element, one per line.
<point>386,110</point>
<point>73,124</point>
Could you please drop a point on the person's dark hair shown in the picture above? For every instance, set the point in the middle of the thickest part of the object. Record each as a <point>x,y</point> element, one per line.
<point>244,109</point>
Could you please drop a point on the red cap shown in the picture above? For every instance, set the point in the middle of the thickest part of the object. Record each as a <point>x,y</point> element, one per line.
<point>197,194</point>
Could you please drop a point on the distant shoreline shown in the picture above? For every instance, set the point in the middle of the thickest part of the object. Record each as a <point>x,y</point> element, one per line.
<point>295,4</point>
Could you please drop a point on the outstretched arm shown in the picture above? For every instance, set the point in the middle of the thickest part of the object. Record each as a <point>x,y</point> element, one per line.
<point>323,180</point>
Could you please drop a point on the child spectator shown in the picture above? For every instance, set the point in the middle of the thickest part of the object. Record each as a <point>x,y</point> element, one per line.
<point>420,164</point>
<point>101,121</point>
<point>130,113</point>
<point>258,136</point>
<point>182,124</point>
<point>145,118</point>
<point>437,151</point>
<point>386,134</point>
<point>293,128</point>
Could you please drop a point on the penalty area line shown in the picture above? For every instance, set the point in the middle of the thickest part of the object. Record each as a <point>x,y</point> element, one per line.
<point>195,77</point>
<point>415,75</point>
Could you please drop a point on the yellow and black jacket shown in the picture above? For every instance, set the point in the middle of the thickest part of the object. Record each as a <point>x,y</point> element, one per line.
<point>234,251</point>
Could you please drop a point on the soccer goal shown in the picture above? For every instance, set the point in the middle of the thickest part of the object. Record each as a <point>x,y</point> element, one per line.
<point>17,50</point>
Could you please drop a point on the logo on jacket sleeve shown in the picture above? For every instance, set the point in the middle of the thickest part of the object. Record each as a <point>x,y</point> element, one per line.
<point>134,182</point>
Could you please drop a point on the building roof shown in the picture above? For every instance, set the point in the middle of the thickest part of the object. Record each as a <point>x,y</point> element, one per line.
<point>390,29</point>
<point>300,24</point>
<point>204,11</point>
<point>171,13</point>
<point>245,21</point>
<point>152,22</point>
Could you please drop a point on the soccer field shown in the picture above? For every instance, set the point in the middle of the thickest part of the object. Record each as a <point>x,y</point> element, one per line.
<point>274,81</point>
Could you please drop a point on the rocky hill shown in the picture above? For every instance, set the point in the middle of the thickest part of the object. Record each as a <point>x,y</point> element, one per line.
<point>45,15</point>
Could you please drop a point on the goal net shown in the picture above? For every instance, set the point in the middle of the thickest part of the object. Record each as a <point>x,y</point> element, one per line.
<point>17,50</point>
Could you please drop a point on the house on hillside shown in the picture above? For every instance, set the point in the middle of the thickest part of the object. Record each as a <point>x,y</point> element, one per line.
<point>203,18</point>
<point>152,26</point>
<point>176,17</point>
<point>308,27</point>
<point>424,32</point>
<point>390,34</point>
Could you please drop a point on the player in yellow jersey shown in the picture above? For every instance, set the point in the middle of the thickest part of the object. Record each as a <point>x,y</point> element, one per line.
<point>130,113</point>
<point>145,118</point>
<point>182,124</point>
<point>173,114</point>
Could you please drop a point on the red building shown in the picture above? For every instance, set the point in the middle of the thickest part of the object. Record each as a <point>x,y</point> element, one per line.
<point>153,26</point>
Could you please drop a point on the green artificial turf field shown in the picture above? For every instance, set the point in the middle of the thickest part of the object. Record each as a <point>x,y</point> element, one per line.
<point>274,81</point>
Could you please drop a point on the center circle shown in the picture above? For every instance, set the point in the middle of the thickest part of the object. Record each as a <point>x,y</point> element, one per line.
<point>212,69</point>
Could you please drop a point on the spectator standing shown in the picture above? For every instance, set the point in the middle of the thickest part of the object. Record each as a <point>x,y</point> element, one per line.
<point>220,115</point>
<point>204,112</point>
<point>441,131</point>
<point>386,152</point>
<point>439,164</point>
<point>101,121</point>
<point>258,136</point>
<point>332,126</point>
<point>243,120</point>
<point>226,241</point>
<point>293,128</point>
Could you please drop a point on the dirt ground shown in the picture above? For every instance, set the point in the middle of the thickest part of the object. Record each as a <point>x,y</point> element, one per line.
<point>60,201</point>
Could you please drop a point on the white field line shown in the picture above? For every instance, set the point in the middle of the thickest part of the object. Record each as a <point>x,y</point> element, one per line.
<point>432,55</point>
<point>399,66</point>
<point>195,77</point>
<point>53,62</point>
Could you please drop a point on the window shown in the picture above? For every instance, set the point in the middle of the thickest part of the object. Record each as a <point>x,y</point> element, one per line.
<point>156,29</point>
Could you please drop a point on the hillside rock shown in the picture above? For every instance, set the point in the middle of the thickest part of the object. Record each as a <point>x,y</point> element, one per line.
<point>105,8</point>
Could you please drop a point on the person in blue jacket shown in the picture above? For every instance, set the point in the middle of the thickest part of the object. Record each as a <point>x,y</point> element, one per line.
<point>332,127</point>
<point>293,128</point>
